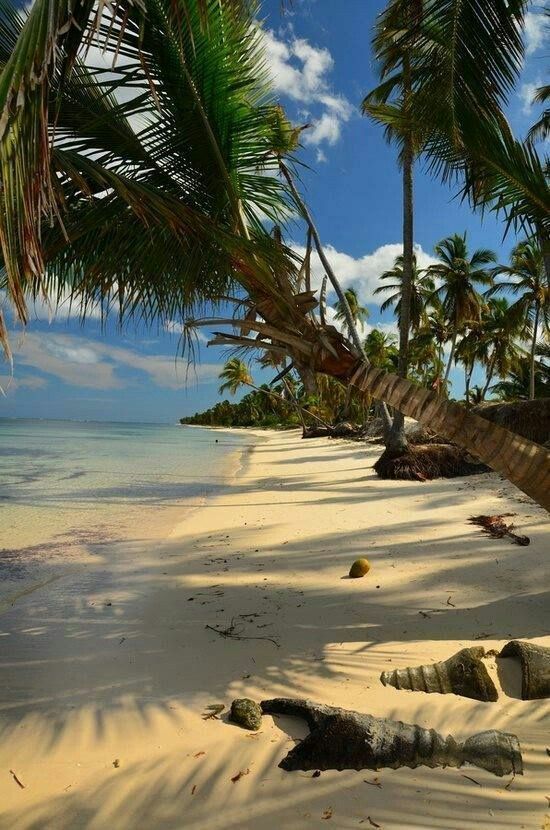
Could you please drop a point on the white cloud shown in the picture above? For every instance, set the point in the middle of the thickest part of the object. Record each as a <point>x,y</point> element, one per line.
<point>363,273</point>
<point>526,93</point>
<point>97,365</point>
<point>9,384</point>
<point>320,156</point>
<point>536,31</point>
<point>299,71</point>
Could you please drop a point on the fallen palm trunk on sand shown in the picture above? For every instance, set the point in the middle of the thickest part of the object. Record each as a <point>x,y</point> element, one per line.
<point>462,674</point>
<point>341,739</point>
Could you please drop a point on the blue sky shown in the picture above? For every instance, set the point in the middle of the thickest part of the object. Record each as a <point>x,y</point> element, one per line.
<point>322,66</point>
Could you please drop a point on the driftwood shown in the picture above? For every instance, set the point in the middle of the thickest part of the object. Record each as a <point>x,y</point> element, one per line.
<point>496,526</point>
<point>535,668</point>
<point>341,739</point>
<point>462,674</point>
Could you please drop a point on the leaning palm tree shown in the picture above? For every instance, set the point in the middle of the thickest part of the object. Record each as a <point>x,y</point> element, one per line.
<point>153,203</point>
<point>359,313</point>
<point>528,282</point>
<point>422,288</point>
<point>459,274</point>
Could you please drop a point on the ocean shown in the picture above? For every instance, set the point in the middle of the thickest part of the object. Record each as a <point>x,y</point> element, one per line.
<point>65,482</point>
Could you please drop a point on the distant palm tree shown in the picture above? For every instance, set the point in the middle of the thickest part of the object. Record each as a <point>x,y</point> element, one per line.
<point>235,374</point>
<point>359,313</point>
<point>502,325</point>
<point>516,385</point>
<point>459,274</point>
<point>422,288</point>
<point>528,280</point>
<point>473,348</point>
<point>381,349</point>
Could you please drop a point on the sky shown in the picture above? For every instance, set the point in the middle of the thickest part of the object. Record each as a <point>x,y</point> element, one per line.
<point>321,64</point>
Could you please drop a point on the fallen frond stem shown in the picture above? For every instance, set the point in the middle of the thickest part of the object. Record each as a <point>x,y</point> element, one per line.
<point>496,527</point>
<point>234,633</point>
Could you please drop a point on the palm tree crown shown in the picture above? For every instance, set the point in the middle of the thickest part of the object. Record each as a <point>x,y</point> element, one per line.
<point>459,273</point>
<point>359,313</point>
<point>234,375</point>
<point>422,288</point>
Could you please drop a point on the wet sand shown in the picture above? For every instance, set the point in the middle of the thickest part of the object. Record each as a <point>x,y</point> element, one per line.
<point>109,665</point>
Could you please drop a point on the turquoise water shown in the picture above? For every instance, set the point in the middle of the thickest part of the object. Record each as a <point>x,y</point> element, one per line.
<point>62,479</point>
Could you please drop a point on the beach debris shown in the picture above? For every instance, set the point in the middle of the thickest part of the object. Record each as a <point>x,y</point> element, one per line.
<point>240,775</point>
<point>341,739</point>
<point>316,773</point>
<point>469,778</point>
<point>535,668</point>
<point>327,814</point>
<point>462,674</point>
<point>360,568</point>
<point>213,710</point>
<point>373,823</point>
<point>198,754</point>
<point>246,713</point>
<point>374,783</point>
<point>116,763</point>
<point>194,789</point>
<point>234,632</point>
<point>17,780</point>
<point>496,526</point>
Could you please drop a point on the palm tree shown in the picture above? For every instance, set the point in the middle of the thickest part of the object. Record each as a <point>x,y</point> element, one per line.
<point>234,375</point>
<point>502,327</point>
<point>459,104</point>
<point>459,274</point>
<point>473,347</point>
<point>528,280</point>
<point>381,350</point>
<point>396,56</point>
<point>517,383</point>
<point>359,313</point>
<point>422,288</point>
<point>160,216</point>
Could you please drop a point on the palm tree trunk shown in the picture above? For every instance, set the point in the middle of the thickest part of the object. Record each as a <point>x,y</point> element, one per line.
<point>397,443</point>
<point>488,379</point>
<point>532,355</point>
<point>451,358</point>
<point>468,372</point>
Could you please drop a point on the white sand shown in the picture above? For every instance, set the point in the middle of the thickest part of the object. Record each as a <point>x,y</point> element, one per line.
<point>112,661</point>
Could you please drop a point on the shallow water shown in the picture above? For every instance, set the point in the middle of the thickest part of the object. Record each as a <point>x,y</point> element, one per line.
<point>62,482</point>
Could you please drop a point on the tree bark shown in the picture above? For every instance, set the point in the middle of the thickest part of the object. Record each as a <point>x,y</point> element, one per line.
<point>397,442</point>
<point>532,355</point>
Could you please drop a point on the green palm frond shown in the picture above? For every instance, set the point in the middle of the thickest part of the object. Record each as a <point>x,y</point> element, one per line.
<point>165,162</point>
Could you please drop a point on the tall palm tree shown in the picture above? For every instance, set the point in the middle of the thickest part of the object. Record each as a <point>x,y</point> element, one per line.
<point>359,313</point>
<point>458,101</point>
<point>528,282</point>
<point>472,348</point>
<point>394,55</point>
<point>161,216</point>
<point>422,288</point>
<point>459,274</point>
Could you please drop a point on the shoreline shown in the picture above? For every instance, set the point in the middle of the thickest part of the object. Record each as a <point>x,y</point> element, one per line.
<point>116,662</point>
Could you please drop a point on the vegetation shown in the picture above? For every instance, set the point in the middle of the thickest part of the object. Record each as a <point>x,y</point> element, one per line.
<point>83,176</point>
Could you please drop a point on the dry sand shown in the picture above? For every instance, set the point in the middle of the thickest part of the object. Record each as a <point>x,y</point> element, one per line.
<point>107,668</point>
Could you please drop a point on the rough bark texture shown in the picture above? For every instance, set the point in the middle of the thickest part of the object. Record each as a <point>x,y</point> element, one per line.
<point>462,674</point>
<point>341,739</point>
<point>535,668</point>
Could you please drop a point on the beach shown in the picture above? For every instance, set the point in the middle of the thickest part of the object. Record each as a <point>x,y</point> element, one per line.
<point>109,665</point>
